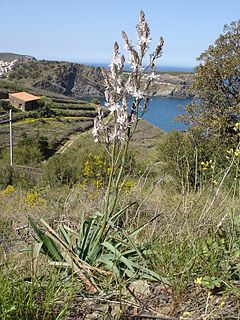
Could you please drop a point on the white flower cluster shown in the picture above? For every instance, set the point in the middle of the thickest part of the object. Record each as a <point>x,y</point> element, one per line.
<point>119,87</point>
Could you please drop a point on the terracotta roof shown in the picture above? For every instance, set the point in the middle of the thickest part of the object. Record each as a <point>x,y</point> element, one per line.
<point>24,96</point>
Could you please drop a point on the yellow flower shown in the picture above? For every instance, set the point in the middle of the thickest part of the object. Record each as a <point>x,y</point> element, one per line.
<point>222,304</point>
<point>32,199</point>
<point>237,126</point>
<point>185,315</point>
<point>198,281</point>
<point>9,190</point>
<point>128,185</point>
<point>99,183</point>
<point>237,153</point>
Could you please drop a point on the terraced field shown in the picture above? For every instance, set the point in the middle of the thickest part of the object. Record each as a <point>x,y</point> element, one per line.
<point>62,119</point>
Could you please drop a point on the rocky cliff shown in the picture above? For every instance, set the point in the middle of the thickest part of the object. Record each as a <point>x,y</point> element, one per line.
<point>74,80</point>
<point>78,80</point>
<point>66,78</point>
<point>176,85</point>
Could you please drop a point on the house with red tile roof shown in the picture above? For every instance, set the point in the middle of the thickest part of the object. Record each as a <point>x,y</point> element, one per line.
<point>24,101</point>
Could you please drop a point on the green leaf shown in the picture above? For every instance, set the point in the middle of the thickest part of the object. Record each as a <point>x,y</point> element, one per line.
<point>64,234</point>
<point>48,245</point>
<point>36,247</point>
<point>118,255</point>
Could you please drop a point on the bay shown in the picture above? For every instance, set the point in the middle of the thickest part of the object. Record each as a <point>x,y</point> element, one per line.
<point>162,112</point>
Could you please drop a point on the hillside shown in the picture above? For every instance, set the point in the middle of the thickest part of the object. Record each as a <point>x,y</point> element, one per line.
<point>78,80</point>
<point>9,56</point>
<point>55,121</point>
<point>71,79</point>
<point>9,60</point>
<point>176,85</point>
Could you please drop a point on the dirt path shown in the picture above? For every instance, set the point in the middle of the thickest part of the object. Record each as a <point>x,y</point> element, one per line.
<point>69,142</point>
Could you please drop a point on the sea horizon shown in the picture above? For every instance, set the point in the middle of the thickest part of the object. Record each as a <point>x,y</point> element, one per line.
<point>159,68</point>
<point>127,67</point>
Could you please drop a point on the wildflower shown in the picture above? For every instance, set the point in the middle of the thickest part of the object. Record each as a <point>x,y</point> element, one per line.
<point>222,304</point>
<point>230,151</point>
<point>9,190</point>
<point>118,87</point>
<point>185,315</point>
<point>237,127</point>
<point>143,32</point>
<point>198,281</point>
<point>128,185</point>
<point>137,94</point>
<point>32,199</point>
<point>98,125</point>
<point>112,106</point>
<point>152,76</point>
<point>237,153</point>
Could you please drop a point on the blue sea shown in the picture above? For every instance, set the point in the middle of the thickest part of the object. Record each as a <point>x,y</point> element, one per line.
<point>163,111</point>
<point>159,68</point>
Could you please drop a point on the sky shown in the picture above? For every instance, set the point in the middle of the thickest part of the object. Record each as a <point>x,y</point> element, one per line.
<point>85,30</point>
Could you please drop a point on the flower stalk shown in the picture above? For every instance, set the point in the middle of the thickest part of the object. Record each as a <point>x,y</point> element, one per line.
<point>117,130</point>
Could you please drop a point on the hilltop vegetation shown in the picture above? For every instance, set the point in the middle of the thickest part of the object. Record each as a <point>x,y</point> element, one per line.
<point>78,80</point>
<point>9,56</point>
<point>67,78</point>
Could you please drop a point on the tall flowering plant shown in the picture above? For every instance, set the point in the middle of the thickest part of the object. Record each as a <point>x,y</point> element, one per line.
<point>101,247</point>
<point>116,131</point>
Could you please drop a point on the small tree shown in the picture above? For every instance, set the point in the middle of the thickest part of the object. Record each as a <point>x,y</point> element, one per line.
<point>216,106</point>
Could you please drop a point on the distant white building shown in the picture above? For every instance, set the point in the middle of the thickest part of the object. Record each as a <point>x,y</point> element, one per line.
<point>6,67</point>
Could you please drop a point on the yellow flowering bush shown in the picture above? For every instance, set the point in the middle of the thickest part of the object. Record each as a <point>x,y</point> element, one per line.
<point>128,185</point>
<point>96,171</point>
<point>9,190</point>
<point>33,199</point>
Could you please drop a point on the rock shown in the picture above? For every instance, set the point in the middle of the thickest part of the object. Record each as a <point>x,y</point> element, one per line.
<point>74,80</point>
<point>140,288</point>
<point>173,85</point>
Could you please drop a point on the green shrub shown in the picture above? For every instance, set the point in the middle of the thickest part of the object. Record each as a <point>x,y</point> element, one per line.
<point>5,105</point>
<point>59,170</point>
<point>30,151</point>
<point>5,176</point>
<point>193,159</point>
<point>177,152</point>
